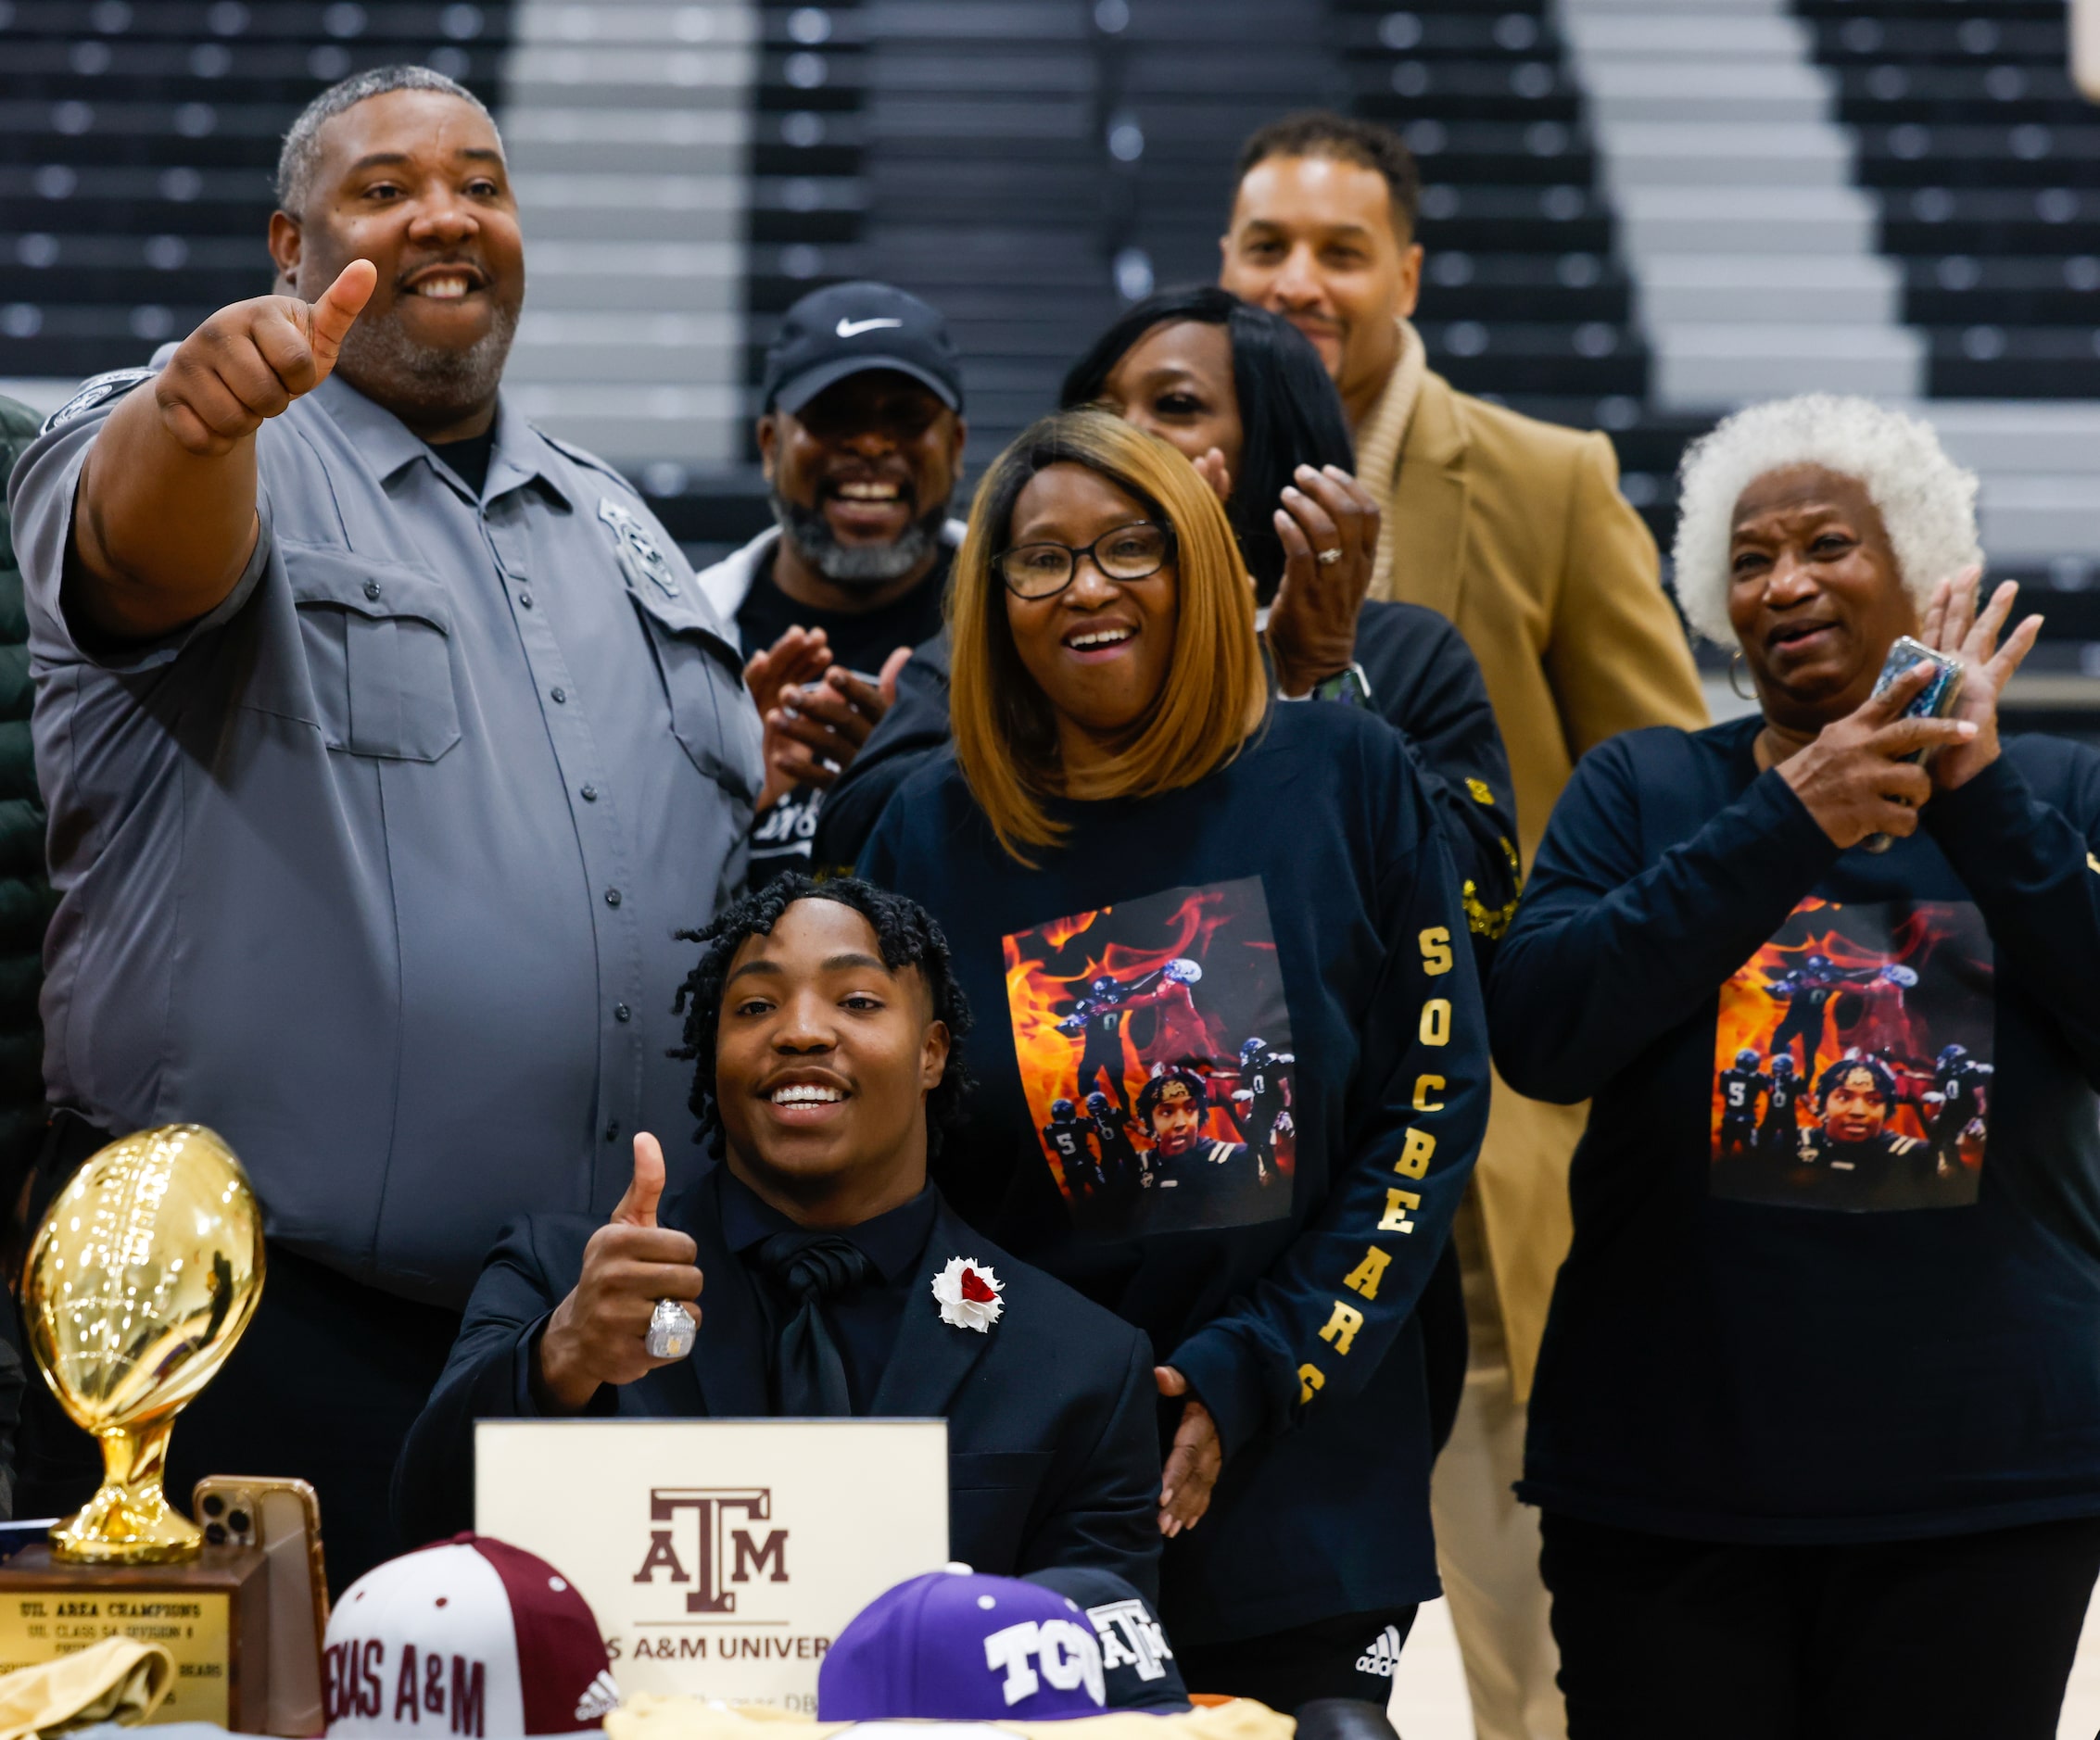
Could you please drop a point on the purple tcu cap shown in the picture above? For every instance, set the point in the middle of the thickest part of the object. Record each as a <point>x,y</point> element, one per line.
<point>954,1647</point>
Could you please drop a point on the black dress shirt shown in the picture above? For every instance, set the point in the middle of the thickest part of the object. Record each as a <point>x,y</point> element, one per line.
<point>862,1321</point>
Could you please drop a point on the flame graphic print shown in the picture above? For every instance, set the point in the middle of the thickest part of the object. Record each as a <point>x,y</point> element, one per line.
<point>1153,1046</point>
<point>1853,1059</point>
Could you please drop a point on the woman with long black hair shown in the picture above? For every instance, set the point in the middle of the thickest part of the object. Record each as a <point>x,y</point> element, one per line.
<point>1238,389</point>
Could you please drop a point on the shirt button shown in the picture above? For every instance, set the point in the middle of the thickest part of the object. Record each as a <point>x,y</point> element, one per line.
<point>622,1013</point>
<point>526,598</point>
<point>590,794</point>
<point>612,1130</point>
<point>611,896</point>
<point>372,588</point>
<point>561,695</point>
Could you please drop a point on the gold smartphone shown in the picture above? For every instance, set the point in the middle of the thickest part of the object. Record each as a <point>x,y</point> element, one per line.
<point>283,1517</point>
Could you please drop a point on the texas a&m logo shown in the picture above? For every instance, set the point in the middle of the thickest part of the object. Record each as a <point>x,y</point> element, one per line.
<point>356,1679</point>
<point>707,1538</point>
<point>1131,1636</point>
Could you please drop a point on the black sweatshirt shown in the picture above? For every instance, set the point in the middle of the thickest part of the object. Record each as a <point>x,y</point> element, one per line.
<point>782,837</point>
<point>1231,1077</point>
<point>1836,1272</point>
<point>1424,681</point>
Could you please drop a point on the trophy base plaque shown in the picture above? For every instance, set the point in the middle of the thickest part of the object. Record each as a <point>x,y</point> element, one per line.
<point>211,1615</point>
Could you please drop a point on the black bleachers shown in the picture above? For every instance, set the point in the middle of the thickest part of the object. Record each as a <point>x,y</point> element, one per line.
<point>1013,161</point>
<point>1988,165</point>
<point>1523,298</point>
<point>1034,164</point>
<point>137,142</point>
<point>808,210</point>
<point>1028,164</point>
<point>808,194</point>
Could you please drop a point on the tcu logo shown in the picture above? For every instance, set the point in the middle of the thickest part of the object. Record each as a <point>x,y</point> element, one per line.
<point>1057,1650</point>
<point>1131,1636</point>
<point>718,1553</point>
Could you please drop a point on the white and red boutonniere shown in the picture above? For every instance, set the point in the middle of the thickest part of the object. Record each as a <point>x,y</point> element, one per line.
<point>969,1294</point>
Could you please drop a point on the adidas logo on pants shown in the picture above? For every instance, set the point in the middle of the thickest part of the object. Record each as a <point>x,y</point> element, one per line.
<point>1383,1655</point>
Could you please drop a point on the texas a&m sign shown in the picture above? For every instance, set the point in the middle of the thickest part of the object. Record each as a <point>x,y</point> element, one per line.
<point>720,1557</point>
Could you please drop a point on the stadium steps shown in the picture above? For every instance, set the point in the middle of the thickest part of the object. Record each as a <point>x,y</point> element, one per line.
<point>1034,164</point>
<point>1755,253</point>
<point>1525,297</point>
<point>1985,164</point>
<point>627,125</point>
<point>805,204</point>
<point>137,144</point>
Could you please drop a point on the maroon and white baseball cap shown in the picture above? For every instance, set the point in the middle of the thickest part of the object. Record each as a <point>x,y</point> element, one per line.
<point>470,1636</point>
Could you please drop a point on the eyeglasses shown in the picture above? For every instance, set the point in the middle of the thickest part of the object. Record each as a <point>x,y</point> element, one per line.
<point>1135,551</point>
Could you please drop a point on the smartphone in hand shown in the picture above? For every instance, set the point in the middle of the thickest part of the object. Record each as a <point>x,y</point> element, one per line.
<point>1935,701</point>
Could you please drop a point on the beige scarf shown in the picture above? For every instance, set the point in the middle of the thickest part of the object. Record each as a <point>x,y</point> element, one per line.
<point>118,1679</point>
<point>648,1716</point>
<point>1378,445</point>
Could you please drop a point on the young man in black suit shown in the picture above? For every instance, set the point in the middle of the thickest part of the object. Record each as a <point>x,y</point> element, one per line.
<point>824,1025</point>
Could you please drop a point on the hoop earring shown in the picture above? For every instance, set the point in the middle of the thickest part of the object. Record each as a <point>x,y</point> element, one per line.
<point>1735,664</point>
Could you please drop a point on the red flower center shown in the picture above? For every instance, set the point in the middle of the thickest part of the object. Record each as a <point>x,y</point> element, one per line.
<point>975,1289</point>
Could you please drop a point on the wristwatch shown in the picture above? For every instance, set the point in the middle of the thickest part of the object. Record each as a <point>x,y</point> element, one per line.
<point>1348,685</point>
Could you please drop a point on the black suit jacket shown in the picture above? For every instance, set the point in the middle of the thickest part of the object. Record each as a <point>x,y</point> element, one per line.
<point>1053,1424</point>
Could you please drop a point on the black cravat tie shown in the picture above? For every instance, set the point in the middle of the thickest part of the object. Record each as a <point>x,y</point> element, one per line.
<point>813,1267</point>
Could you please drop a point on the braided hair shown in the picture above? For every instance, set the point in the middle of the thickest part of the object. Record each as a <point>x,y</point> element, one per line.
<point>904,933</point>
<point>1884,1077</point>
<point>1155,1090</point>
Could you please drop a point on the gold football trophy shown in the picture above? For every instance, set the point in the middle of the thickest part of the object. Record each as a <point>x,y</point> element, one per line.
<point>142,1277</point>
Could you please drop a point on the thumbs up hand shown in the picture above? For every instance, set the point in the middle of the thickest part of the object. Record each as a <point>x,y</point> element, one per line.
<point>249,361</point>
<point>598,1334</point>
<point>637,1207</point>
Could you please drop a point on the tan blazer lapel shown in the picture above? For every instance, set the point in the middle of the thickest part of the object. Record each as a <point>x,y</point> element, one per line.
<point>1427,508</point>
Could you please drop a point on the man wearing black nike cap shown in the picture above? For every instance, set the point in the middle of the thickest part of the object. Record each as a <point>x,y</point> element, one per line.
<point>862,435</point>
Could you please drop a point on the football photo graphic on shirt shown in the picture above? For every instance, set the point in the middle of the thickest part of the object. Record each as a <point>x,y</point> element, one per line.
<point>1154,1050</point>
<point>1852,1060</point>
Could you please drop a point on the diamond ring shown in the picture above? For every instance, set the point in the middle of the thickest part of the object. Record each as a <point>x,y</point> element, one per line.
<point>671,1330</point>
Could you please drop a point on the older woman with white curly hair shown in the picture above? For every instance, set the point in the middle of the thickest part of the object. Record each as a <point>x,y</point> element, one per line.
<point>1816,1426</point>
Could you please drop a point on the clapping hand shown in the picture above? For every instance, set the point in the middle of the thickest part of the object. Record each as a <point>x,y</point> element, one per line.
<point>816,730</point>
<point>1857,779</point>
<point>1951,625</point>
<point>799,655</point>
<point>1328,525</point>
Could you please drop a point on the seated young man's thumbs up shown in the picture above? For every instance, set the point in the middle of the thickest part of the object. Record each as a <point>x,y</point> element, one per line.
<point>600,1333</point>
<point>823,1023</point>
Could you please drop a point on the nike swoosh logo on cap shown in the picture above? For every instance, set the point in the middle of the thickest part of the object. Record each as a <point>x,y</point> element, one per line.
<point>853,329</point>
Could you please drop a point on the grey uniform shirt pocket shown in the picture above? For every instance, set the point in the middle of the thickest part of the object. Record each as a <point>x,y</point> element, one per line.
<point>378,644</point>
<point>711,715</point>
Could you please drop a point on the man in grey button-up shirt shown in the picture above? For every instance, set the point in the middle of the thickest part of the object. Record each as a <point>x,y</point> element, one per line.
<point>387,741</point>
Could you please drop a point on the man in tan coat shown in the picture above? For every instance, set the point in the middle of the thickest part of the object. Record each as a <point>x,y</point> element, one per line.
<point>1515,530</point>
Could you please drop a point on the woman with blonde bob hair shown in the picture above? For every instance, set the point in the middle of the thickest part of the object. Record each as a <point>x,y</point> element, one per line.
<point>1823,1366</point>
<point>1007,738</point>
<point>1245,1072</point>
